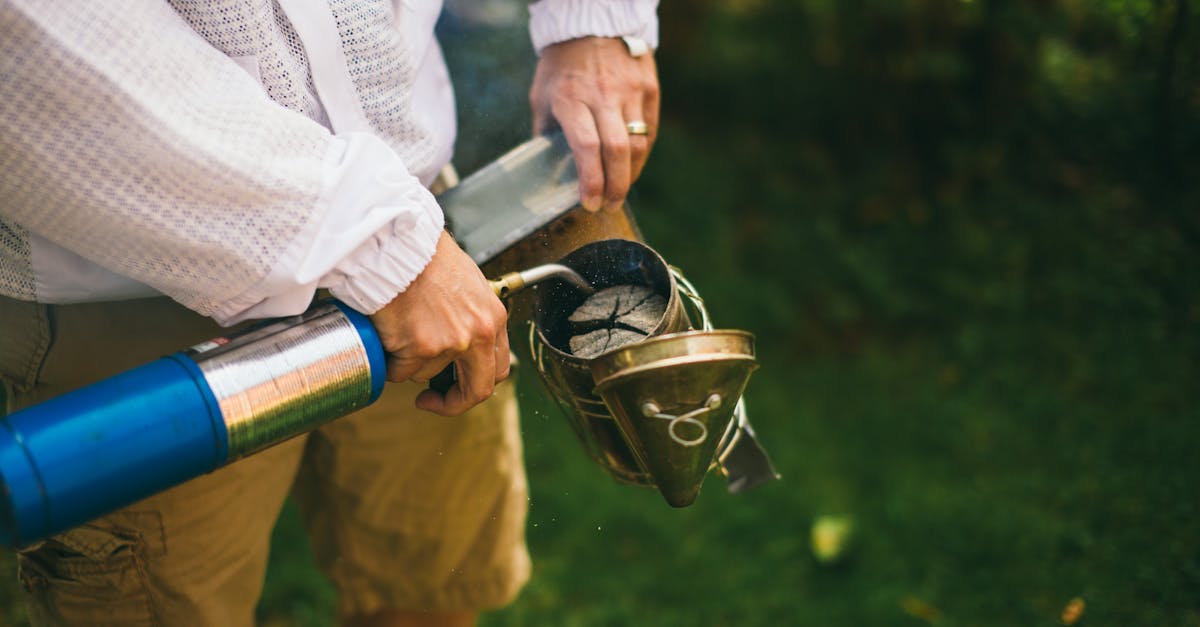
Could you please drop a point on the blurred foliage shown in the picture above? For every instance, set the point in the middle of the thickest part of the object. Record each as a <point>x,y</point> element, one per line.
<point>965,234</point>
<point>940,170</point>
<point>893,167</point>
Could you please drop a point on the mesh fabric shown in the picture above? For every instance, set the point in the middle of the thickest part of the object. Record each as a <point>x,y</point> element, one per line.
<point>128,136</point>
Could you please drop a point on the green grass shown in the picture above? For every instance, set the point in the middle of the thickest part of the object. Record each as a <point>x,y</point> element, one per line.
<point>989,494</point>
<point>993,499</point>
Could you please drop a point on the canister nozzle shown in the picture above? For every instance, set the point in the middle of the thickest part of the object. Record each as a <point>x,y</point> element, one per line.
<point>514,282</point>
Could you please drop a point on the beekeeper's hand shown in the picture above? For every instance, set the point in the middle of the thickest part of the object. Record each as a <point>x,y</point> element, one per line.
<point>593,88</point>
<point>449,314</point>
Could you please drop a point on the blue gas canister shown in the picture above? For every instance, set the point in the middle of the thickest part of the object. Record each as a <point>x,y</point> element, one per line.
<point>96,449</point>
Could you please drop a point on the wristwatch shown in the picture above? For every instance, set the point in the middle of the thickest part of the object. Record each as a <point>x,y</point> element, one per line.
<point>636,45</point>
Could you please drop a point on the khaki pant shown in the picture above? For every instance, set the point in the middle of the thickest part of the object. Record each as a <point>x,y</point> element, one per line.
<point>404,509</point>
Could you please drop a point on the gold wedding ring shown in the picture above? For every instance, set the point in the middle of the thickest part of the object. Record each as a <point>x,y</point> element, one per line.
<point>637,127</point>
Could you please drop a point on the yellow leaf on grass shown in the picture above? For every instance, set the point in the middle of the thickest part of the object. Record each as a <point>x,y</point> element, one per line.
<point>1073,611</point>
<point>919,609</point>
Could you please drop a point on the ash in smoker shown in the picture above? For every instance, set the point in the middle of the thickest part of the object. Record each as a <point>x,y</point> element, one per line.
<point>614,317</point>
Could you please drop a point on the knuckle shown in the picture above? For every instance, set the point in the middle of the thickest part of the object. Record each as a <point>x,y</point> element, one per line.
<point>499,314</point>
<point>579,92</point>
<point>484,333</point>
<point>589,143</point>
<point>399,371</point>
<point>464,339</point>
<point>618,147</point>
<point>484,330</point>
<point>425,349</point>
<point>482,392</point>
<point>559,106</point>
<point>593,186</point>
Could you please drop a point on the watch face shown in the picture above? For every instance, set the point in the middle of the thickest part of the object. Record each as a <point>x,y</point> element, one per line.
<point>637,46</point>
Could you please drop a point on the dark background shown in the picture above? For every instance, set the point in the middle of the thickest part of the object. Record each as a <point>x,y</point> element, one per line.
<point>966,235</point>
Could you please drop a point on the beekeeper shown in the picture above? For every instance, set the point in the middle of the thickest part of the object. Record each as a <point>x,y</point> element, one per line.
<point>169,167</point>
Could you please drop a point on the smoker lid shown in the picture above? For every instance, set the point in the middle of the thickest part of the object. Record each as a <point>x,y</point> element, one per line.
<point>512,197</point>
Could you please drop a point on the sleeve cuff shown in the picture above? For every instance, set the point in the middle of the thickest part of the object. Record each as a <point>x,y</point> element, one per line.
<point>554,21</point>
<point>375,229</point>
<point>387,263</point>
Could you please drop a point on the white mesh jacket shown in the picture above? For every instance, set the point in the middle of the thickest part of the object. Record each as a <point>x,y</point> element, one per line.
<point>234,155</point>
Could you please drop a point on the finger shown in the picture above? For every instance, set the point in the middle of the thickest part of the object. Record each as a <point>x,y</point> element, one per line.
<point>430,368</point>
<point>543,122</point>
<point>651,99</point>
<point>431,401</point>
<point>476,381</point>
<point>639,145</point>
<point>614,143</point>
<point>479,377</point>
<point>400,368</point>
<point>503,363</point>
<point>442,403</point>
<point>579,127</point>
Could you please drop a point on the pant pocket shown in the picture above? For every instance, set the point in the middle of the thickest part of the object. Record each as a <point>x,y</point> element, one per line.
<point>93,575</point>
<point>24,342</point>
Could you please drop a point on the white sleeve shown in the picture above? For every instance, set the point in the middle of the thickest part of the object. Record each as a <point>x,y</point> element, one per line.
<point>129,141</point>
<point>374,230</point>
<point>553,21</point>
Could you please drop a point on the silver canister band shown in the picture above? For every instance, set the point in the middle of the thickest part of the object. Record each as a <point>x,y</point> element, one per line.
<point>287,377</point>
